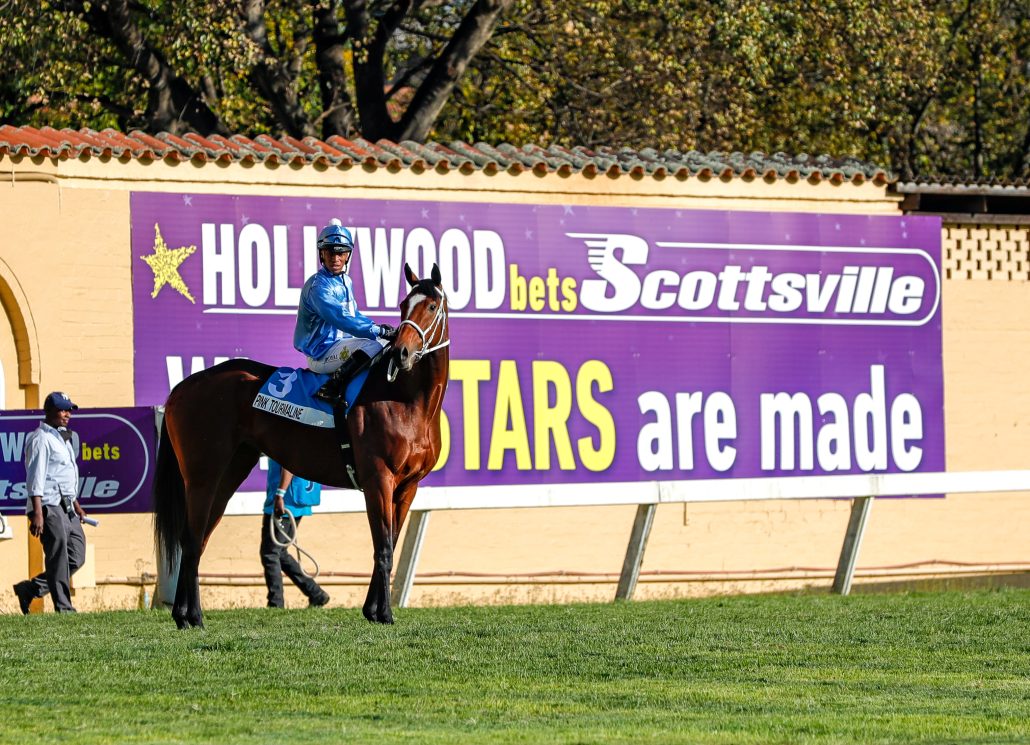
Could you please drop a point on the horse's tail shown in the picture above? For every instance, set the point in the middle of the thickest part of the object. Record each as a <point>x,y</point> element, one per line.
<point>169,499</point>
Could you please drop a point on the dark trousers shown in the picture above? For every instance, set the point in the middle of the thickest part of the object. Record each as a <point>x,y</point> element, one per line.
<point>277,560</point>
<point>64,551</point>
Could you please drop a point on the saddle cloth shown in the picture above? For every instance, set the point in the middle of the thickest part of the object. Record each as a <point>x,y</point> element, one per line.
<point>290,393</point>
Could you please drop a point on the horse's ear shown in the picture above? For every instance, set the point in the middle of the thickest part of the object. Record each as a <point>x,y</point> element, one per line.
<point>437,279</point>
<point>409,275</point>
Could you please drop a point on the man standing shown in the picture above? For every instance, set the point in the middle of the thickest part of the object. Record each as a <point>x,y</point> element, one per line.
<point>55,515</point>
<point>287,493</point>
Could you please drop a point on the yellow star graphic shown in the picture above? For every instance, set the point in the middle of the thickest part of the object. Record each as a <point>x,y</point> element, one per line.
<point>164,262</point>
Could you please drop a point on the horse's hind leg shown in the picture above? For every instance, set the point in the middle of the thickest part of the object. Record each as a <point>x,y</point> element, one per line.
<point>187,610</point>
<point>238,468</point>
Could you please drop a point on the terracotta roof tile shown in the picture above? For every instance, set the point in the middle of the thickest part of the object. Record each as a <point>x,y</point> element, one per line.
<point>146,146</point>
<point>254,150</point>
<point>298,145</point>
<point>280,151</point>
<point>352,150</point>
<point>178,146</point>
<point>325,150</point>
<point>384,156</point>
<point>231,150</point>
<point>28,141</point>
<point>213,150</point>
<point>462,156</point>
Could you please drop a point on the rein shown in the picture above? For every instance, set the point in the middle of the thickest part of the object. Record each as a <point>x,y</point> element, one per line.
<point>436,328</point>
<point>289,540</point>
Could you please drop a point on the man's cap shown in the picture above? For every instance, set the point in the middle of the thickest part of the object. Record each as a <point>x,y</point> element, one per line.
<point>59,401</point>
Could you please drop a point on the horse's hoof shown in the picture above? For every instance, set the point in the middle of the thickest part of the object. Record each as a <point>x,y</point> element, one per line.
<point>377,615</point>
<point>184,622</point>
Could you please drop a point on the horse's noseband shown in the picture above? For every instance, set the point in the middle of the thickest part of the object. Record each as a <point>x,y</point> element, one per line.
<point>436,328</point>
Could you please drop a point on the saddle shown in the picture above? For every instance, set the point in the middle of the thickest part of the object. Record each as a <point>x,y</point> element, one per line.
<point>290,393</point>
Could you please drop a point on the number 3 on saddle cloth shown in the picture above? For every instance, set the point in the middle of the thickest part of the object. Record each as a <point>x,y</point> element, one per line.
<point>290,393</point>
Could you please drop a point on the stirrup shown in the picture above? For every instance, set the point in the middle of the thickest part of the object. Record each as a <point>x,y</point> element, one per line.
<point>331,391</point>
<point>334,389</point>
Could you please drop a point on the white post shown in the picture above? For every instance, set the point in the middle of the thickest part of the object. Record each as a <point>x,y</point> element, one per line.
<point>404,577</point>
<point>167,578</point>
<point>167,567</point>
<point>852,543</point>
<point>635,551</point>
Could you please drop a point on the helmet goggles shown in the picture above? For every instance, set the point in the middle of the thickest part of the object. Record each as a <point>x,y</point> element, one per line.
<point>336,239</point>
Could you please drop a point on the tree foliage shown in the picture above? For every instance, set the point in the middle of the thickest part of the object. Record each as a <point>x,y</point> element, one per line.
<point>925,87</point>
<point>382,69</point>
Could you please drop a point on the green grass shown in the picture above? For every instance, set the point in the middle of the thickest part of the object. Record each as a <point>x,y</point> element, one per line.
<point>934,668</point>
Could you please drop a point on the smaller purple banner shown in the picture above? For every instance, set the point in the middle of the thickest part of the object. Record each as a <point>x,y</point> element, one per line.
<point>117,449</point>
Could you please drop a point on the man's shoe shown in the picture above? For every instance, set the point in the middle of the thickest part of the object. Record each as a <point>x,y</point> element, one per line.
<point>334,389</point>
<point>331,390</point>
<point>26,594</point>
<point>318,599</point>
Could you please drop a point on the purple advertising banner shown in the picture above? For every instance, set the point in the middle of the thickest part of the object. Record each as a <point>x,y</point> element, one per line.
<point>588,343</point>
<point>116,458</point>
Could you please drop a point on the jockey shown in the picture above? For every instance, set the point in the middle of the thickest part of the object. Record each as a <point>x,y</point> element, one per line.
<point>331,332</point>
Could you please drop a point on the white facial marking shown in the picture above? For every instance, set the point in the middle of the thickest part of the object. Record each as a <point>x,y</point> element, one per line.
<point>414,300</point>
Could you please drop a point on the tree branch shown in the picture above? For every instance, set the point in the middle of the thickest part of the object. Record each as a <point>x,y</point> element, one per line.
<point>271,77</point>
<point>173,104</point>
<point>473,32</point>
<point>369,63</point>
<point>337,116</point>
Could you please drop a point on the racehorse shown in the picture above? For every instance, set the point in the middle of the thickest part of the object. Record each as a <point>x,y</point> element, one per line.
<point>212,438</point>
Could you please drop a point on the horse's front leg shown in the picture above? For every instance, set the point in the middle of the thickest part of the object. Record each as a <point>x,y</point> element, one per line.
<point>403,496</point>
<point>379,507</point>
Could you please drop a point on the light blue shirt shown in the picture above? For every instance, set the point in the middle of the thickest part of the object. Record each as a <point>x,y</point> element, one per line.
<point>300,495</point>
<point>50,466</point>
<point>328,313</point>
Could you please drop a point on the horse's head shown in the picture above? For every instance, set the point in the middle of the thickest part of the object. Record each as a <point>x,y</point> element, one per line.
<point>423,326</point>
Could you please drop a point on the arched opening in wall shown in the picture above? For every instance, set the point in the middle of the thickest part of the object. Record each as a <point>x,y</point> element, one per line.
<point>19,349</point>
<point>11,396</point>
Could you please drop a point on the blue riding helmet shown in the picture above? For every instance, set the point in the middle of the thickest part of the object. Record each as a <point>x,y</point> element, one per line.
<point>336,238</point>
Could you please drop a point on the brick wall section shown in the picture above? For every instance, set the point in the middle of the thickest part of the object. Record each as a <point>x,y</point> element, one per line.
<point>998,252</point>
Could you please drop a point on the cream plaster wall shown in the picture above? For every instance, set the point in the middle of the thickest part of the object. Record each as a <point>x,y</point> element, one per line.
<point>363,182</point>
<point>65,237</point>
<point>68,249</point>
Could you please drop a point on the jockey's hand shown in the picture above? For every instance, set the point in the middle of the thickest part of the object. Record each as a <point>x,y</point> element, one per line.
<point>386,331</point>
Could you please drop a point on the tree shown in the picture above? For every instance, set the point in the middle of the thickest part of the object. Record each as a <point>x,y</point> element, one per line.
<point>924,87</point>
<point>933,87</point>
<point>381,69</point>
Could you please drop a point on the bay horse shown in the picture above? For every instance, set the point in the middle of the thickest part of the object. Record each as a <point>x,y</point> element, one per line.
<point>212,438</point>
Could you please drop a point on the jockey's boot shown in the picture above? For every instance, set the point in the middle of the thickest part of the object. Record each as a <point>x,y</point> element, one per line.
<point>334,389</point>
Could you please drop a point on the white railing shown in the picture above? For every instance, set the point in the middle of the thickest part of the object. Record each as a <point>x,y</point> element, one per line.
<point>861,489</point>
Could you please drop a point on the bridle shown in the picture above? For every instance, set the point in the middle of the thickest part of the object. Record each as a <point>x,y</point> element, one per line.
<point>437,328</point>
